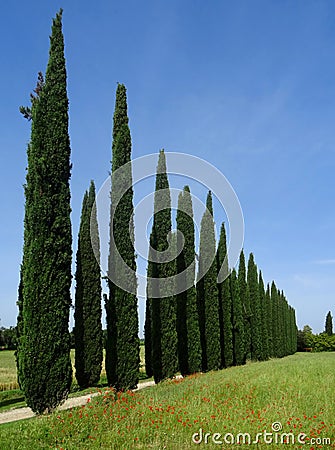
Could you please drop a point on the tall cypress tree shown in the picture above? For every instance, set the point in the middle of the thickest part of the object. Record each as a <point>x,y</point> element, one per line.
<point>162,303</point>
<point>275,320</point>
<point>281,324</point>
<point>245,300</point>
<point>225,302</point>
<point>122,348</point>
<point>87,314</point>
<point>189,347</point>
<point>269,321</point>
<point>44,349</point>
<point>263,311</point>
<point>252,279</point>
<point>207,292</point>
<point>329,324</point>
<point>239,354</point>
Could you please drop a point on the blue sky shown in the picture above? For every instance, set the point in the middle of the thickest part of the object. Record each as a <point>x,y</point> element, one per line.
<point>248,86</point>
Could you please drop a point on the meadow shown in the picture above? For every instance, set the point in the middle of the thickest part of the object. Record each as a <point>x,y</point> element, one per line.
<point>8,378</point>
<point>291,398</point>
<point>11,396</point>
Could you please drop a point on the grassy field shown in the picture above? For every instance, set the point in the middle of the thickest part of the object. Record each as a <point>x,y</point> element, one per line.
<point>294,395</point>
<point>11,396</point>
<point>8,379</point>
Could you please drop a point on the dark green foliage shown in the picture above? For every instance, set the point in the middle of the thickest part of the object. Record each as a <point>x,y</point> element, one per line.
<point>281,324</point>
<point>45,370</point>
<point>122,349</point>
<point>19,327</point>
<point>323,343</point>
<point>252,280</point>
<point>162,303</point>
<point>189,347</point>
<point>294,331</point>
<point>26,111</point>
<point>329,324</point>
<point>151,272</point>
<point>245,300</point>
<point>225,302</point>
<point>8,338</point>
<point>275,320</point>
<point>269,325</point>
<point>264,323</point>
<point>239,355</point>
<point>147,338</point>
<point>87,314</point>
<point>207,292</point>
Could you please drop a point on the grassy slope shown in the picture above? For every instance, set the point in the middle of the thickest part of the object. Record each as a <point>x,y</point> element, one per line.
<point>297,391</point>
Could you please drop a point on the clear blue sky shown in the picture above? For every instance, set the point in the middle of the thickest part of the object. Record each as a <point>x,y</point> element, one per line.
<point>248,86</point>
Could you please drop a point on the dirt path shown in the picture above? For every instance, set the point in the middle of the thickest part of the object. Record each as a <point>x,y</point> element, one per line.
<point>26,413</point>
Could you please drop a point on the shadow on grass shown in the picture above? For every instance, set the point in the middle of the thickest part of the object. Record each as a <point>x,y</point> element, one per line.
<point>11,401</point>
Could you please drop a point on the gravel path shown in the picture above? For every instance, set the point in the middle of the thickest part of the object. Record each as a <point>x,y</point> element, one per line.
<point>26,413</point>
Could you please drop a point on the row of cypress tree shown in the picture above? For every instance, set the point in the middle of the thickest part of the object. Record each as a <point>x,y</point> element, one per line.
<point>209,325</point>
<point>206,326</point>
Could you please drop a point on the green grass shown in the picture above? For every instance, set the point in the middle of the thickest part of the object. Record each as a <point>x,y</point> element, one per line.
<point>8,379</point>
<point>297,391</point>
<point>11,396</point>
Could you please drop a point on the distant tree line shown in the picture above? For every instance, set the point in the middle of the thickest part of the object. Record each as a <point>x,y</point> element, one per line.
<point>322,342</point>
<point>8,338</point>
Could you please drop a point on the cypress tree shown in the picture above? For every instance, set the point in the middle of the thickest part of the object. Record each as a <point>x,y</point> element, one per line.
<point>225,302</point>
<point>207,292</point>
<point>275,320</point>
<point>264,324</point>
<point>286,350</point>
<point>189,347</point>
<point>237,321</point>
<point>87,314</point>
<point>281,324</point>
<point>329,324</point>
<point>45,370</point>
<point>162,304</point>
<point>269,321</point>
<point>245,300</point>
<point>252,279</point>
<point>122,347</point>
